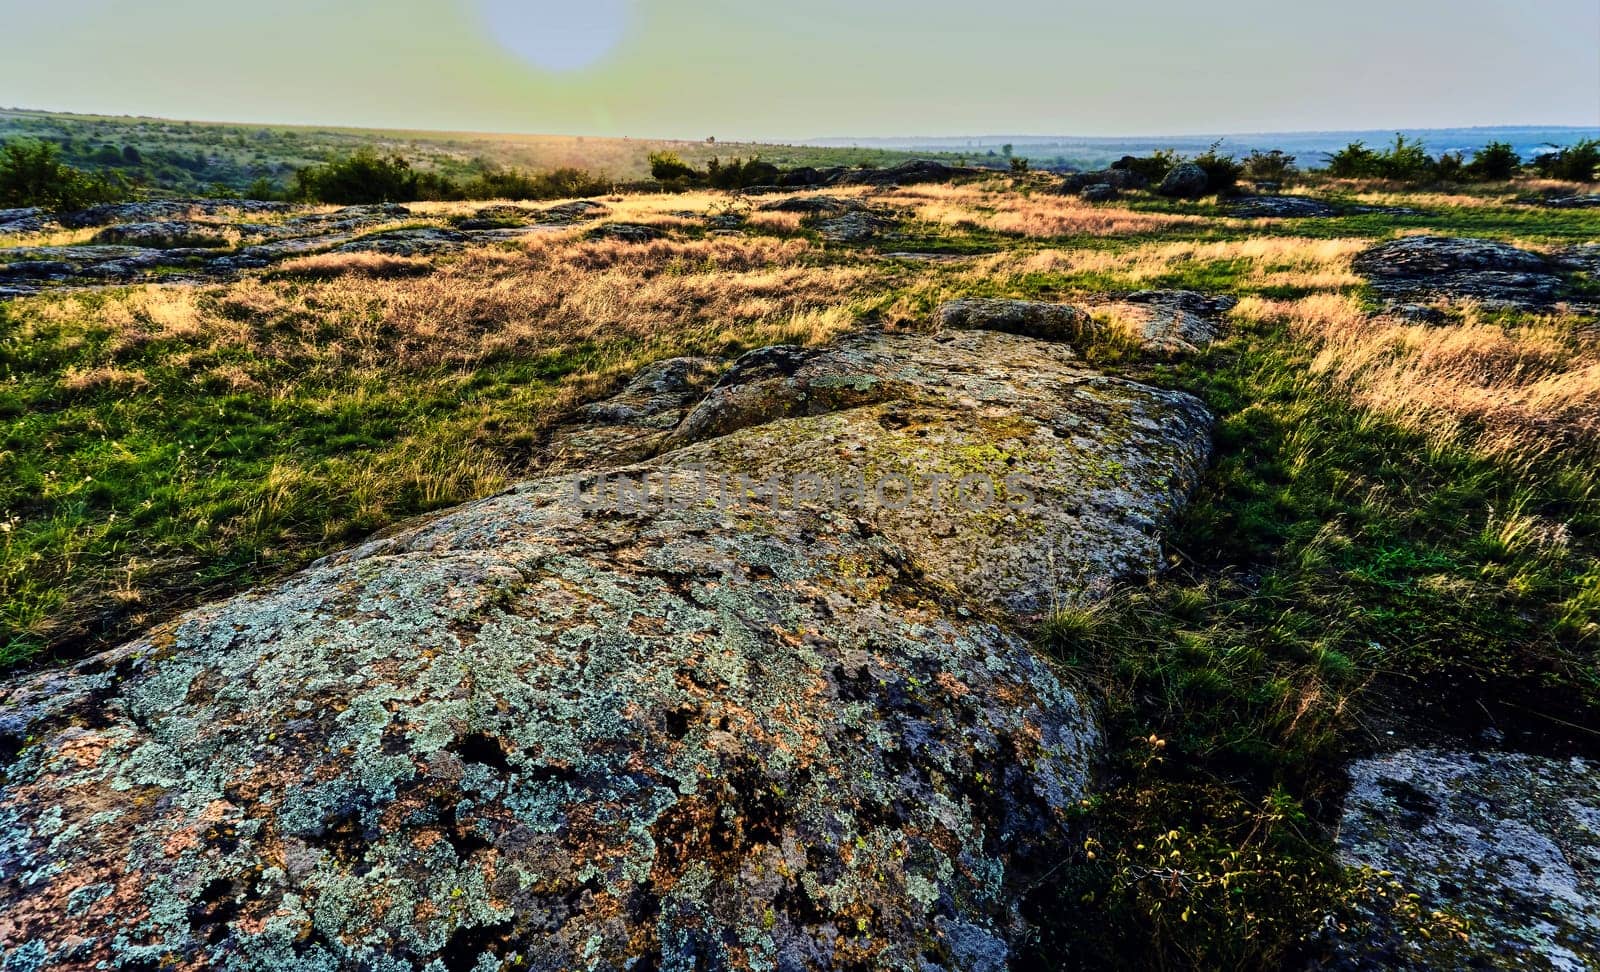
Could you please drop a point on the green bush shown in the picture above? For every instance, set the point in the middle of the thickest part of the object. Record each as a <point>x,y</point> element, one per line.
<point>740,174</point>
<point>1495,162</point>
<point>1354,161</point>
<point>669,167</point>
<point>496,183</point>
<point>364,177</point>
<point>1273,166</point>
<point>1575,163</point>
<point>1222,171</point>
<point>1153,167</point>
<point>32,174</point>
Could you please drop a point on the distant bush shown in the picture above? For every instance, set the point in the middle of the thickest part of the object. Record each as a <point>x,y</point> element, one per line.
<point>364,177</point>
<point>1495,162</point>
<point>1153,167</point>
<point>1575,163</point>
<point>496,183</point>
<point>668,167</point>
<point>1222,171</point>
<point>1273,166</point>
<point>740,174</point>
<point>1019,165</point>
<point>32,174</point>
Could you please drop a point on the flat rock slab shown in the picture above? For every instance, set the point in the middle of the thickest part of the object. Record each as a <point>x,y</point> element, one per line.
<point>541,730</point>
<point>1433,267</point>
<point>1511,842</point>
<point>1282,207</point>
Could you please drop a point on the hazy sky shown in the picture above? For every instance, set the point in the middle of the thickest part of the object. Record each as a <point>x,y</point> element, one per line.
<point>780,69</point>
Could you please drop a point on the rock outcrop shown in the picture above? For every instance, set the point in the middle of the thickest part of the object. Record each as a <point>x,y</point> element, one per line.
<point>1508,842</point>
<point>1184,181</point>
<point>1282,207</point>
<point>779,724</point>
<point>1419,268</point>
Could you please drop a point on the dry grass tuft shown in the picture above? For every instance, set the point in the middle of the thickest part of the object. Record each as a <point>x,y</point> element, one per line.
<point>376,265</point>
<point>1524,388</point>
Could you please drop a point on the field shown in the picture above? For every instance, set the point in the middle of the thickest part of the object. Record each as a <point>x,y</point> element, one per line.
<point>1401,531</point>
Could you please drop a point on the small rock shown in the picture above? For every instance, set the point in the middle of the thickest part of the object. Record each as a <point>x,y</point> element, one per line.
<point>1099,192</point>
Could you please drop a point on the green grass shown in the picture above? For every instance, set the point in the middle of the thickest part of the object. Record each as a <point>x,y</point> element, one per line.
<point>1334,567</point>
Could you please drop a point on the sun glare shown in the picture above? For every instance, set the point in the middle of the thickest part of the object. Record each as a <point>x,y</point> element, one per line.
<point>555,35</point>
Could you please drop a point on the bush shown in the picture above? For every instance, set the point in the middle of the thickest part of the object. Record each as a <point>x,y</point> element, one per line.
<point>1405,160</point>
<point>496,183</point>
<point>1575,163</point>
<point>668,167</point>
<point>364,177</point>
<point>740,174</point>
<point>1222,171</point>
<point>1152,168</point>
<point>1273,166</point>
<point>1495,162</point>
<point>1354,161</point>
<point>32,174</point>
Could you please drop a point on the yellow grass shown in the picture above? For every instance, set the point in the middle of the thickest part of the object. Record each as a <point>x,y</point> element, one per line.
<point>1523,389</point>
<point>1042,215</point>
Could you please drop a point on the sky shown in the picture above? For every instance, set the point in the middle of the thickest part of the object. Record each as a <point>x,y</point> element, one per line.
<point>786,71</point>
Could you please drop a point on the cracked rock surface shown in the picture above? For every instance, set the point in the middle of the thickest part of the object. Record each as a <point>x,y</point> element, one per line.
<point>559,733</point>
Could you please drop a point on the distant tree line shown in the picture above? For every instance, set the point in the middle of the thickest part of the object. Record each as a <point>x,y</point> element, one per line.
<point>1408,160</point>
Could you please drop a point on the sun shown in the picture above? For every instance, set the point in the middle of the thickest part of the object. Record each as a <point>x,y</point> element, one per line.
<point>558,35</point>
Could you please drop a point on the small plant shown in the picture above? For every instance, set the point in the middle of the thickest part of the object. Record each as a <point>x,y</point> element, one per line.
<point>1019,165</point>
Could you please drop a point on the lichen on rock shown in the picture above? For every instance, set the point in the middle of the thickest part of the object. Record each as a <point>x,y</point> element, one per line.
<point>535,732</point>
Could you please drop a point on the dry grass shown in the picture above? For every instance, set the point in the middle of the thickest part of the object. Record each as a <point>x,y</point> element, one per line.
<point>1524,388</point>
<point>377,265</point>
<point>551,291</point>
<point>1265,262</point>
<point>1040,215</point>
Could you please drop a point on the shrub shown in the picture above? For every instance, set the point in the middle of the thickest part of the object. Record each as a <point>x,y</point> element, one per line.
<point>1153,167</point>
<point>1354,161</point>
<point>669,167</point>
<point>364,177</point>
<point>1405,160</point>
<point>1222,171</point>
<point>32,174</point>
<point>1575,163</point>
<point>1273,166</point>
<point>740,174</point>
<point>1495,162</point>
<point>1451,167</point>
<point>496,183</point>
<point>1019,165</point>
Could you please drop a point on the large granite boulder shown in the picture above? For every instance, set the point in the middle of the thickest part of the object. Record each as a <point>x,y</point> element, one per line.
<point>613,719</point>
